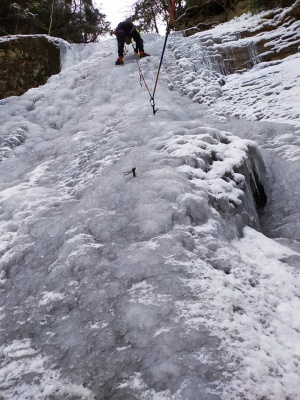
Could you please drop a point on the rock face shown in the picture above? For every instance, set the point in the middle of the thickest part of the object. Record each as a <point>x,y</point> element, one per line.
<point>203,15</point>
<point>26,62</point>
<point>275,35</point>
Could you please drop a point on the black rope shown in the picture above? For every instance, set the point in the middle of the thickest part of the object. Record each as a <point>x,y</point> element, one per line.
<point>161,58</point>
<point>152,101</point>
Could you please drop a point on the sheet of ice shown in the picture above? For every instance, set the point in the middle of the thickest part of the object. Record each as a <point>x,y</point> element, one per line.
<point>26,373</point>
<point>137,288</point>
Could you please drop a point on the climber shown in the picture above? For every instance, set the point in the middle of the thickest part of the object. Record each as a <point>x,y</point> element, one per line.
<point>124,32</point>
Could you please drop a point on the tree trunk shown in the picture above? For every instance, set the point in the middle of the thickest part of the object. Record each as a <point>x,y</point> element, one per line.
<point>17,25</point>
<point>51,18</point>
<point>154,21</point>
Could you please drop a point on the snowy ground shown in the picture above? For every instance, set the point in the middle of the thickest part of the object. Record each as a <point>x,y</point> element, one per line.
<point>155,287</point>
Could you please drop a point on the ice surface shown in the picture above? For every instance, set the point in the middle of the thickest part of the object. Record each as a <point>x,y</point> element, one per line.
<point>154,287</point>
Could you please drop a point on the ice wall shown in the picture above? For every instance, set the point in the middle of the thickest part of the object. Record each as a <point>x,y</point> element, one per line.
<point>72,53</point>
<point>98,268</point>
<point>93,262</point>
<point>146,287</point>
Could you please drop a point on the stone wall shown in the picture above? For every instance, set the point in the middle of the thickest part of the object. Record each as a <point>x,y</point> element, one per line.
<point>26,62</point>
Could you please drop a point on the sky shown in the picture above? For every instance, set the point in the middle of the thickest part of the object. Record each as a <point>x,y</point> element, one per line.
<point>164,285</point>
<point>115,10</point>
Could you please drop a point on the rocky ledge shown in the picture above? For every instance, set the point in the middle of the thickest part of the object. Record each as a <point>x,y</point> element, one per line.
<point>26,62</point>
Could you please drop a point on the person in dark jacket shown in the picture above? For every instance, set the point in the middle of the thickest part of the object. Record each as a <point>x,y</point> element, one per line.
<point>124,32</point>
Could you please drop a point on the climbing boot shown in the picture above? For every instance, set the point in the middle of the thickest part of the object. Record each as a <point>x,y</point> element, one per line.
<point>143,54</point>
<point>120,61</point>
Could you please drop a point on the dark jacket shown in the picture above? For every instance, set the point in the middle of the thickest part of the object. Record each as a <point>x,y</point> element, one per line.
<point>126,26</point>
